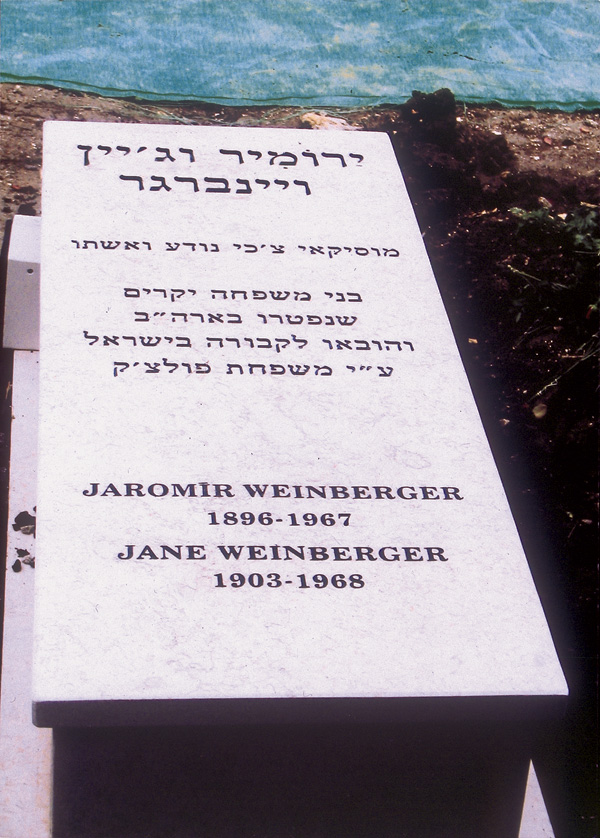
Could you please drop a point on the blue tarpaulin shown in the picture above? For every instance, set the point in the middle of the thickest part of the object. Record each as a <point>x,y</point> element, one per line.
<point>323,53</point>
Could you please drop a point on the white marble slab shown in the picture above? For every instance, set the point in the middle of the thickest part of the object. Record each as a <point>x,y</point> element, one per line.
<point>535,822</point>
<point>22,298</point>
<point>25,750</point>
<point>222,322</point>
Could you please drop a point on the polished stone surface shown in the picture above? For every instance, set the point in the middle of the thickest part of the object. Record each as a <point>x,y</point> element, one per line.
<point>225,324</point>
<point>25,750</point>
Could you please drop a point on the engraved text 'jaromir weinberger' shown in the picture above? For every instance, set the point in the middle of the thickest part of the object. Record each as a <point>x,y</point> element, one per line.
<point>272,490</point>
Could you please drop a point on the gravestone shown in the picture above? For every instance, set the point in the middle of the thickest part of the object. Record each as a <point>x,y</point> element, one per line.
<point>262,471</point>
<point>265,492</point>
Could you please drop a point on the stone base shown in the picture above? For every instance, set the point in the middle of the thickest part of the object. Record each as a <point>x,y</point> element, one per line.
<point>333,781</point>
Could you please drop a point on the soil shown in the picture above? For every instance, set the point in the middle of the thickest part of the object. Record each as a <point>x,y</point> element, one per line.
<point>507,201</point>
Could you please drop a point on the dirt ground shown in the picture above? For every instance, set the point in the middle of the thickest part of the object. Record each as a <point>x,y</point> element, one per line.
<point>548,144</point>
<point>507,201</point>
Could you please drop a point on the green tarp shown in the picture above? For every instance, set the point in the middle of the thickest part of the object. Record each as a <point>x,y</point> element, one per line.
<point>327,52</point>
